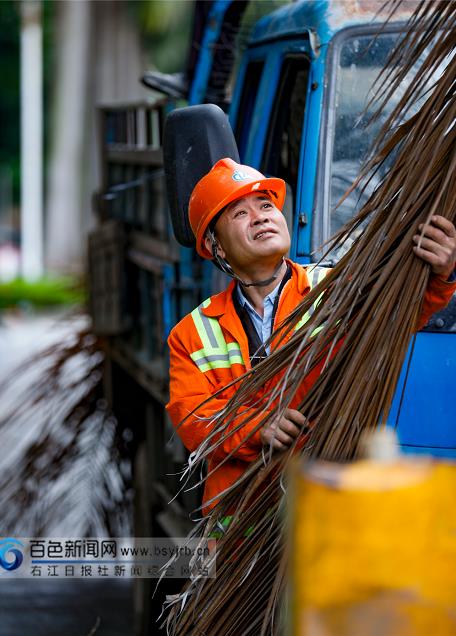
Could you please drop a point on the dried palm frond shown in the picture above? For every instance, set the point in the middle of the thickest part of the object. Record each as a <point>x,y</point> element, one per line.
<point>64,471</point>
<point>344,362</point>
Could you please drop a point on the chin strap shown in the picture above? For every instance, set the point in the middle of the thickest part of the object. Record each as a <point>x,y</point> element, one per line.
<point>222,264</point>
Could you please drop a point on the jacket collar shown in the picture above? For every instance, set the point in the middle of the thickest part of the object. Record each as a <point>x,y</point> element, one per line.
<point>218,304</point>
<point>299,273</point>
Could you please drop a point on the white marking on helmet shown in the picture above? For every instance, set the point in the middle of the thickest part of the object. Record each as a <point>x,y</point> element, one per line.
<point>240,175</point>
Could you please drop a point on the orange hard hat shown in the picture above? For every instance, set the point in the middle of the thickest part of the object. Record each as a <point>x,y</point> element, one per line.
<point>223,184</point>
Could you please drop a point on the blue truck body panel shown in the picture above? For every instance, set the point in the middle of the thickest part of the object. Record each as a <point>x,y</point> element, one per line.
<point>292,20</point>
<point>427,416</point>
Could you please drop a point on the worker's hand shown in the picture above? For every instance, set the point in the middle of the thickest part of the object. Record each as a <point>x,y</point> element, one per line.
<point>438,245</point>
<point>282,431</point>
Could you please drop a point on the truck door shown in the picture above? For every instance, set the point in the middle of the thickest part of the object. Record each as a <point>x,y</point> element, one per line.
<point>268,113</point>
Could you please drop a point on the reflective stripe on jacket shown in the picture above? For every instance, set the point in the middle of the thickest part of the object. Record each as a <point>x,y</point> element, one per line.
<point>209,349</point>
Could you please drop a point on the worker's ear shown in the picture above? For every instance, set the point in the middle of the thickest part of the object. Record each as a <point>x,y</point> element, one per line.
<point>208,241</point>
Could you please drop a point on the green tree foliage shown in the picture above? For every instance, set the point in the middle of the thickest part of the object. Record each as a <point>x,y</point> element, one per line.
<point>166,28</point>
<point>9,94</point>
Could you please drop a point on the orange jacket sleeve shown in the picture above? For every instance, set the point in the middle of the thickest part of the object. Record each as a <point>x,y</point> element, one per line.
<point>437,296</point>
<point>189,387</point>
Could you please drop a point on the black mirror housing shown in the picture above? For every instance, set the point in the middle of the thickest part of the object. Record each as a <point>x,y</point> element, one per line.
<point>195,138</point>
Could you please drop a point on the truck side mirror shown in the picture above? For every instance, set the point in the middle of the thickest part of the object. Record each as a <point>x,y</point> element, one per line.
<point>195,138</point>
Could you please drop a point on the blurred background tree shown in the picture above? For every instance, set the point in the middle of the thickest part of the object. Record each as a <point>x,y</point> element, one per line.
<point>166,30</point>
<point>95,52</point>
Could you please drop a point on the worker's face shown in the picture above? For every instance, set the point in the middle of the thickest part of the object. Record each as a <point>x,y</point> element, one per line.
<point>252,231</point>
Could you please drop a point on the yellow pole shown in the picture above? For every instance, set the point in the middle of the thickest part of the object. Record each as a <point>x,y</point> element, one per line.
<point>373,549</point>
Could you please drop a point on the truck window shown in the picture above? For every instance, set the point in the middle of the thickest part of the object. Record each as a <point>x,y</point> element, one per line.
<point>246,105</point>
<point>358,62</point>
<point>283,143</point>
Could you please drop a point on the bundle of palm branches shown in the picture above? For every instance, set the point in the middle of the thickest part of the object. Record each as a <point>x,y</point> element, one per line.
<point>344,362</point>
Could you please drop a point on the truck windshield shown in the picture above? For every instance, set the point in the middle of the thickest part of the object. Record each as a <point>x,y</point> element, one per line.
<point>358,62</point>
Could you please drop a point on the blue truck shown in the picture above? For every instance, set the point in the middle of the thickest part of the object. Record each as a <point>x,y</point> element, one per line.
<point>294,91</point>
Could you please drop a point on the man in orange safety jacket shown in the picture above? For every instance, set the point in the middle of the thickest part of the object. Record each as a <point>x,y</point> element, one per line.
<point>235,214</point>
